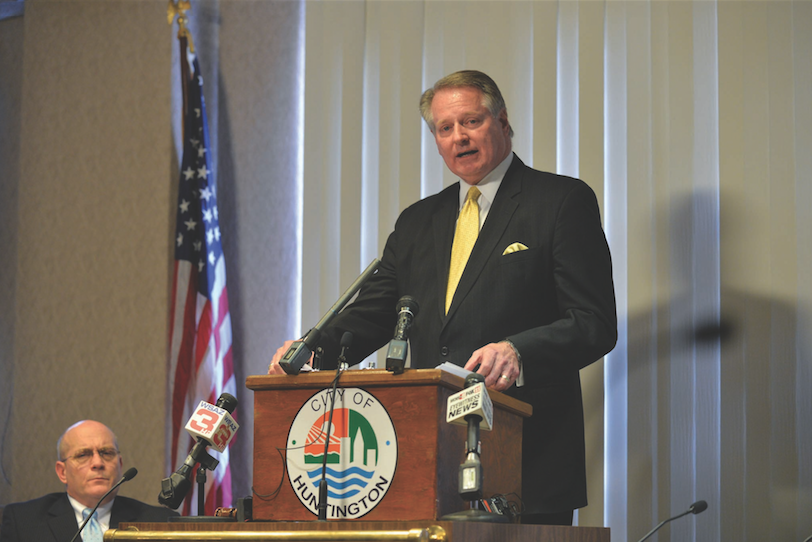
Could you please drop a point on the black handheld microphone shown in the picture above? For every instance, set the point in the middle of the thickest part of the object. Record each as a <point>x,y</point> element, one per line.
<point>301,350</point>
<point>697,508</point>
<point>175,488</point>
<point>129,475</point>
<point>398,350</point>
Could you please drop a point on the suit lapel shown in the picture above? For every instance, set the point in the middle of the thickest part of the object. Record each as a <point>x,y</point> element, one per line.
<point>62,519</point>
<point>504,206</point>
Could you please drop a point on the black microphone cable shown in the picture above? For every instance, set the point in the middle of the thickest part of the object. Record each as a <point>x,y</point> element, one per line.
<point>346,342</point>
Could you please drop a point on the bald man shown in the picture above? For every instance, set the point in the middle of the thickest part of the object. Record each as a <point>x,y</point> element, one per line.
<point>89,464</point>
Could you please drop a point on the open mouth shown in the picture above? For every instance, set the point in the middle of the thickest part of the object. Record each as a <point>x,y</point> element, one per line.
<point>466,153</point>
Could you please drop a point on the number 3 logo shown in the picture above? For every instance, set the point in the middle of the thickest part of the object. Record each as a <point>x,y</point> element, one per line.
<point>221,437</point>
<point>206,419</point>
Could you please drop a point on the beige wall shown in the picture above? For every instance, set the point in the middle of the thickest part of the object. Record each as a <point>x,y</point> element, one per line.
<point>89,103</point>
<point>94,214</point>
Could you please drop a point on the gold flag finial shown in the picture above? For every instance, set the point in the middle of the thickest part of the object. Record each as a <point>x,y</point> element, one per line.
<point>178,9</point>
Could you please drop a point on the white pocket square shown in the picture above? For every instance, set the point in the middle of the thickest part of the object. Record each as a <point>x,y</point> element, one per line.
<point>515,247</point>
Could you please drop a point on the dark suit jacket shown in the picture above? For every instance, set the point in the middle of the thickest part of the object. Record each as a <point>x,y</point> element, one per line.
<point>51,518</point>
<point>555,301</point>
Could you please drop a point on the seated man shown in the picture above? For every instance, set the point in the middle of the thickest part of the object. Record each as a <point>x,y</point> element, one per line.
<point>89,464</point>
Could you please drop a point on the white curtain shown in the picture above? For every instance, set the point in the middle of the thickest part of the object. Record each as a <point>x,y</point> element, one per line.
<point>692,121</point>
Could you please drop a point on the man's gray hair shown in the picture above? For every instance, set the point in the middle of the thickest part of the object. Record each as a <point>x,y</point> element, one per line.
<point>491,97</point>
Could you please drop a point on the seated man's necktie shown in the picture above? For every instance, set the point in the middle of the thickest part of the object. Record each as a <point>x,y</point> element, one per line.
<point>92,531</point>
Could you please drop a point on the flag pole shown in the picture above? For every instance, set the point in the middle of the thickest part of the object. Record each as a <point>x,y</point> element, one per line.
<point>178,8</point>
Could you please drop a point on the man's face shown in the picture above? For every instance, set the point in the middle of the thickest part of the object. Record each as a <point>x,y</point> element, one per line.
<point>83,469</point>
<point>471,141</point>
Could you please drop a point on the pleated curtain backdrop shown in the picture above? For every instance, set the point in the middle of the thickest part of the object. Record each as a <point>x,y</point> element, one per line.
<point>692,121</point>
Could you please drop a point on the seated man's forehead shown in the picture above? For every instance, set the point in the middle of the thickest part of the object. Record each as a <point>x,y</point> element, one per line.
<point>89,437</point>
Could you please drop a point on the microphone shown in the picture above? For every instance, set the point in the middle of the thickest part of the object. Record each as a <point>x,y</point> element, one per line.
<point>407,308</point>
<point>346,342</point>
<point>128,475</point>
<point>473,400</point>
<point>696,508</point>
<point>470,472</point>
<point>473,405</point>
<point>301,350</point>
<point>211,425</point>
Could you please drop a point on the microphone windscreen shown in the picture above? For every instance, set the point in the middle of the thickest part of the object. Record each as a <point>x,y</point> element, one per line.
<point>227,402</point>
<point>698,507</point>
<point>130,474</point>
<point>346,339</point>
<point>472,379</point>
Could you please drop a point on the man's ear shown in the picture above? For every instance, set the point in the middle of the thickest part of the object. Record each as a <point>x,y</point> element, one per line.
<point>60,472</point>
<point>503,120</point>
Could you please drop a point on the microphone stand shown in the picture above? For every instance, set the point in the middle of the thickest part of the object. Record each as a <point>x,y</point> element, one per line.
<point>200,478</point>
<point>300,351</point>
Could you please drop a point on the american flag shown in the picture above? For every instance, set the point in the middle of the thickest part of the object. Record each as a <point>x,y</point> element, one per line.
<point>200,364</point>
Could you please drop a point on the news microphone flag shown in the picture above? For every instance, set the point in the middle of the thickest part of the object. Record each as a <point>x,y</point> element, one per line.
<point>213,424</point>
<point>473,400</point>
<point>200,362</point>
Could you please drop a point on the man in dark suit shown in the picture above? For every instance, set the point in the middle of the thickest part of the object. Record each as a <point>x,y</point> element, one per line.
<point>89,464</point>
<point>530,306</point>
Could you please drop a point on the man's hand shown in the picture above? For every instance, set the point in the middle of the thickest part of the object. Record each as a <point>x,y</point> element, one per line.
<point>274,368</point>
<point>497,363</point>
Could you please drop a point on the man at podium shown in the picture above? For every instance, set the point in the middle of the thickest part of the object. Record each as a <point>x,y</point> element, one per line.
<point>513,275</point>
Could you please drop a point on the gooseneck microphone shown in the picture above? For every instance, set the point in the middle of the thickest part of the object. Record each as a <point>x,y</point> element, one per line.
<point>398,350</point>
<point>300,351</point>
<point>129,475</point>
<point>697,508</point>
<point>346,342</point>
<point>220,430</point>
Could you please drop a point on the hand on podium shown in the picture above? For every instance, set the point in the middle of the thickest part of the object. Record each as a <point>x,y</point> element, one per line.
<point>498,363</point>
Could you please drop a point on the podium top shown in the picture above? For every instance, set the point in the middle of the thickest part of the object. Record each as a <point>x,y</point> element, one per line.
<point>372,378</point>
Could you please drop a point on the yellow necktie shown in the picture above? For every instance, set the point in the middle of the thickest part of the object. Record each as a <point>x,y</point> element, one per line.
<point>464,239</point>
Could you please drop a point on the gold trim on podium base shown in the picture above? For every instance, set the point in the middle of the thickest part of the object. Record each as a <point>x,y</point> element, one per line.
<point>433,533</point>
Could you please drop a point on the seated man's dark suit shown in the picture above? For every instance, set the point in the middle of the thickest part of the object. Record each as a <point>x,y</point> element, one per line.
<point>554,301</point>
<point>52,519</point>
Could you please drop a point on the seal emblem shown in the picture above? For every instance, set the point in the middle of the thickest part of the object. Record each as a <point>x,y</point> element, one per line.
<point>361,453</point>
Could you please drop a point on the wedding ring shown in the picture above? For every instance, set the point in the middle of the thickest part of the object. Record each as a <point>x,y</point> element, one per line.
<point>506,377</point>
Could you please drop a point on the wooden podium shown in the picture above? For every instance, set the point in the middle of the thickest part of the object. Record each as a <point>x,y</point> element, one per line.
<point>430,450</point>
<point>423,488</point>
